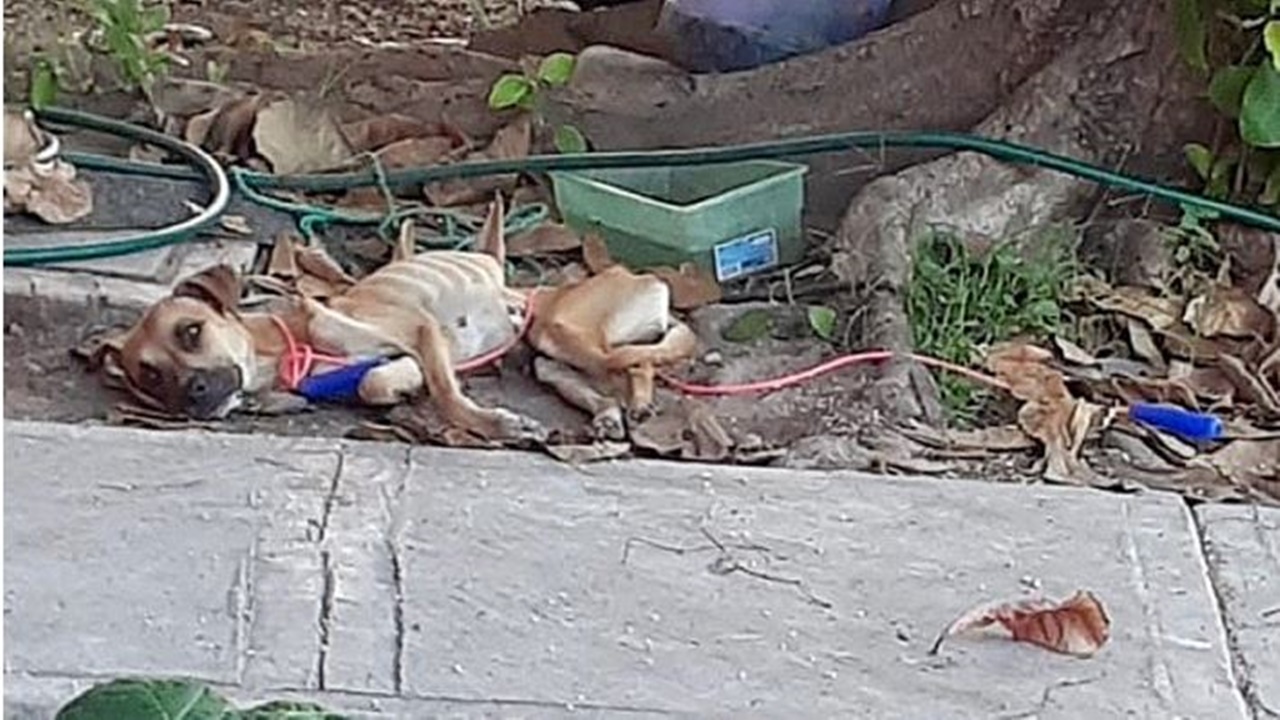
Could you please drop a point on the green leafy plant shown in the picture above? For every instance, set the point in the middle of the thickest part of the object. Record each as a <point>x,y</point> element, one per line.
<point>45,82</point>
<point>1195,250</point>
<point>524,91</point>
<point>823,321</point>
<point>141,699</point>
<point>960,300</point>
<point>1235,46</point>
<point>124,26</point>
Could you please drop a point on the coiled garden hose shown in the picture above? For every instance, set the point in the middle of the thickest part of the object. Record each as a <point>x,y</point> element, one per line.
<point>206,166</point>
<point>796,147</point>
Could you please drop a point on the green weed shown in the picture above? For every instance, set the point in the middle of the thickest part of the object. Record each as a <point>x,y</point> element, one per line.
<point>960,300</point>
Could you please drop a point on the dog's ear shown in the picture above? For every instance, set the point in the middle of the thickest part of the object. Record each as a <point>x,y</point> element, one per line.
<point>492,239</point>
<point>407,242</point>
<point>219,286</point>
<point>103,352</point>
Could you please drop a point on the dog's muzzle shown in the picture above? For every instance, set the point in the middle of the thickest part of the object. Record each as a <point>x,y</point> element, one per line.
<point>207,394</point>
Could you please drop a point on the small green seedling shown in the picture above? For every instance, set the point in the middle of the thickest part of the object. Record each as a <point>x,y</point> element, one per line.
<point>125,26</point>
<point>823,321</point>
<point>524,92</point>
<point>748,327</point>
<point>45,83</point>
<point>1235,46</point>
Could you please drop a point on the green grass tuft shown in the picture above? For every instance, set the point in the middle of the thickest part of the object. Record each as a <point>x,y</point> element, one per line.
<point>960,300</point>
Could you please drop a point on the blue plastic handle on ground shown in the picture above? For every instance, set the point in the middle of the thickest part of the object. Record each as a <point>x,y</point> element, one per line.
<point>336,386</point>
<point>1185,424</point>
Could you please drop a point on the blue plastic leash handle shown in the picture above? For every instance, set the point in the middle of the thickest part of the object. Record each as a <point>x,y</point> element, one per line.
<point>1183,423</point>
<point>340,385</point>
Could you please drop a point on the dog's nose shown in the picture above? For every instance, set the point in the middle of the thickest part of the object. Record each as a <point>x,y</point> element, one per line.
<point>198,388</point>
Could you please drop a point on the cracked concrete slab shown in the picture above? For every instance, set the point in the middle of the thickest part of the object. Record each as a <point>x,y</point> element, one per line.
<point>1243,548</point>
<point>403,582</point>
<point>119,560</point>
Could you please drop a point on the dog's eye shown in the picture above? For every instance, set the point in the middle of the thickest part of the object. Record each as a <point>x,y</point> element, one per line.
<point>150,376</point>
<point>189,336</point>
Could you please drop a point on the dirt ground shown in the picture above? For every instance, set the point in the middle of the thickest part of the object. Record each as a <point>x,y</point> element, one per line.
<point>298,24</point>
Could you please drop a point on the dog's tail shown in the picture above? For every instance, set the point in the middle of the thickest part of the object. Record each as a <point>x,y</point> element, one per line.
<point>680,343</point>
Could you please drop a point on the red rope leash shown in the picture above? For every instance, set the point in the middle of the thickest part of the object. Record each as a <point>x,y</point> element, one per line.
<point>802,376</point>
<point>300,359</point>
<point>497,353</point>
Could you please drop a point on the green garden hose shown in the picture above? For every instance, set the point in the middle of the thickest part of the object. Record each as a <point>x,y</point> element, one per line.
<point>207,167</point>
<point>814,145</point>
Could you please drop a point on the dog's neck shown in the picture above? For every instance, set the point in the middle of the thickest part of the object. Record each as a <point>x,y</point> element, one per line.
<point>269,341</point>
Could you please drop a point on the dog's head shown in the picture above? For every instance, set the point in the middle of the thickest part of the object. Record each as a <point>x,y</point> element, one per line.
<point>189,354</point>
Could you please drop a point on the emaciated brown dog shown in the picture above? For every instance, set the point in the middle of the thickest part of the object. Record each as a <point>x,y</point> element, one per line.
<point>601,340</point>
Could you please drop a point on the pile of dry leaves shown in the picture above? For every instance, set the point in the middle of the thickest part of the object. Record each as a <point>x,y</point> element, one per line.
<point>36,179</point>
<point>1215,350</point>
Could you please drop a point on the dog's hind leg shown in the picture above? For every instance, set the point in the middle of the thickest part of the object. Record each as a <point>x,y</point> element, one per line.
<point>432,350</point>
<point>578,390</point>
<point>679,343</point>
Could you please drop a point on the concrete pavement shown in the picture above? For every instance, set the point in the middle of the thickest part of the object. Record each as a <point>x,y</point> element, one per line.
<point>390,581</point>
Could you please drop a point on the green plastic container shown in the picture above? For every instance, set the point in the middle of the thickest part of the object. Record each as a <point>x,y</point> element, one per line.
<point>733,219</point>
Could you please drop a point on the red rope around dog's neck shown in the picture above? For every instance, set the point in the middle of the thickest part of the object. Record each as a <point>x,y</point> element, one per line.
<point>299,359</point>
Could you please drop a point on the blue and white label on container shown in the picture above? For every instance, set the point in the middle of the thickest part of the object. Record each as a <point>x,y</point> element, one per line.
<point>745,255</point>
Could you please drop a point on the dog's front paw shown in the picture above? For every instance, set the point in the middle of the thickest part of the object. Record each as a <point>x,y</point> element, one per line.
<point>512,426</point>
<point>641,413</point>
<point>608,424</point>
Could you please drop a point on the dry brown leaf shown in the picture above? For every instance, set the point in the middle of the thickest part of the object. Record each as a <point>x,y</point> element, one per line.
<point>687,430</point>
<point>377,132</point>
<point>299,136</point>
<point>132,415</point>
<point>1209,384</point>
<point>1249,386</point>
<point>227,131</point>
<point>1073,353</point>
<point>237,224</point>
<point>1161,390</point>
<point>662,434</point>
<point>543,240</point>
<point>707,439</point>
<point>22,138</point>
<point>1062,428</point>
<point>1160,313</point>
<point>1049,414</point>
<point>382,433</point>
<point>1230,312</point>
<point>1077,626</point>
<point>316,262</point>
<point>1143,344</point>
<point>1269,295</point>
<point>1251,463</point>
<point>416,152</point>
<point>691,286</point>
<point>510,143</point>
<point>50,191</point>
<point>283,262</point>
<point>595,254</point>
<point>1023,367</point>
<point>176,97</point>
<point>1000,438</point>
